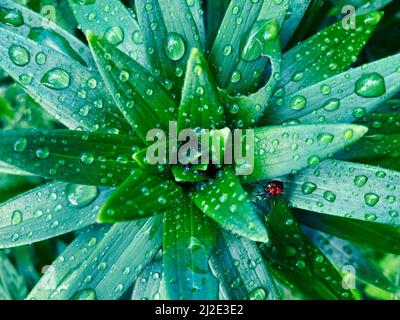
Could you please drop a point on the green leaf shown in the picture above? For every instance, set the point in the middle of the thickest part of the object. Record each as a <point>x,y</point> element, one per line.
<point>188,174</point>
<point>287,149</point>
<point>150,284</point>
<point>122,30</point>
<point>358,191</point>
<point>72,156</point>
<point>114,264</point>
<point>214,14</point>
<point>243,20</point>
<point>377,236</point>
<point>224,200</point>
<point>31,25</point>
<point>343,254</point>
<point>12,284</point>
<point>327,54</point>
<point>295,14</point>
<point>141,195</point>
<point>72,93</point>
<point>188,240</point>
<point>201,106</point>
<point>48,211</point>
<point>144,102</point>
<point>154,33</point>
<point>381,123</point>
<point>240,268</point>
<point>342,98</point>
<point>296,260</point>
<point>196,8</point>
<point>66,266</point>
<point>9,169</point>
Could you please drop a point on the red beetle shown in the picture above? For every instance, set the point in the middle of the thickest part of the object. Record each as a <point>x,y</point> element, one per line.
<point>274,188</point>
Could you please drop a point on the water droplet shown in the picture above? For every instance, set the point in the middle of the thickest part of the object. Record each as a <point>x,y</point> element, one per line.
<point>257,294</point>
<point>86,294</point>
<point>19,55</point>
<point>16,217</point>
<point>332,105</point>
<point>80,195</point>
<point>56,79</point>
<point>87,158</point>
<point>20,144</point>
<point>174,46</point>
<point>308,187</point>
<point>42,153</point>
<point>371,199</point>
<point>298,102</point>
<point>11,17</point>
<point>114,35</point>
<point>236,76</point>
<point>360,181</point>
<point>329,196</point>
<point>371,85</point>
<point>325,138</point>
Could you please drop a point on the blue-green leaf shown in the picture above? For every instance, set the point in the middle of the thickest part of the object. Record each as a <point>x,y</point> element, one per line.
<point>48,211</point>
<point>188,240</point>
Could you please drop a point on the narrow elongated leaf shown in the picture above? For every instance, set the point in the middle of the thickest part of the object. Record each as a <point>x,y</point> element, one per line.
<point>287,149</point>
<point>381,237</point>
<point>239,266</point>
<point>226,57</point>
<point>141,195</point>
<point>122,30</point>
<point>71,92</point>
<point>141,98</point>
<point>200,106</point>
<point>67,265</point>
<point>342,98</point>
<point>296,12</point>
<point>68,155</point>
<point>12,284</point>
<point>343,254</point>
<point>25,263</point>
<point>196,8</point>
<point>358,191</point>
<point>224,200</point>
<point>188,240</point>
<point>150,284</point>
<point>115,263</point>
<point>48,211</point>
<point>214,14</point>
<point>9,169</point>
<point>327,53</point>
<point>296,260</point>
<point>155,39</point>
<point>381,123</point>
<point>28,24</point>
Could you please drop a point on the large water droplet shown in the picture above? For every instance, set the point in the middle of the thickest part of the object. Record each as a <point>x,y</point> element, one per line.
<point>371,85</point>
<point>174,46</point>
<point>56,78</point>
<point>308,187</point>
<point>257,294</point>
<point>42,153</point>
<point>86,294</point>
<point>371,199</point>
<point>19,55</point>
<point>114,35</point>
<point>80,195</point>
<point>360,181</point>
<point>16,217</point>
<point>20,144</point>
<point>11,17</point>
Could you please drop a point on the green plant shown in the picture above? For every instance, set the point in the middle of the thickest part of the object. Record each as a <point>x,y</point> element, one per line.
<point>196,231</point>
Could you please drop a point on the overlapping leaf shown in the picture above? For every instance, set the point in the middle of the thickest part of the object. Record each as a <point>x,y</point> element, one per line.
<point>141,195</point>
<point>98,159</point>
<point>48,211</point>
<point>188,240</point>
<point>287,149</point>
<point>224,200</point>
<point>358,191</point>
<point>71,92</point>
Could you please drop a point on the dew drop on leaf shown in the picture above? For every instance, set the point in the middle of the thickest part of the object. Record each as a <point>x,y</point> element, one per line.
<point>19,55</point>
<point>20,144</point>
<point>80,195</point>
<point>371,199</point>
<point>370,85</point>
<point>308,187</point>
<point>257,294</point>
<point>42,153</point>
<point>16,217</point>
<point>114,35</point>
<point>174,46</point>
<point>56,79</point>
<point>86,294</point>
<point>11,17</point>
